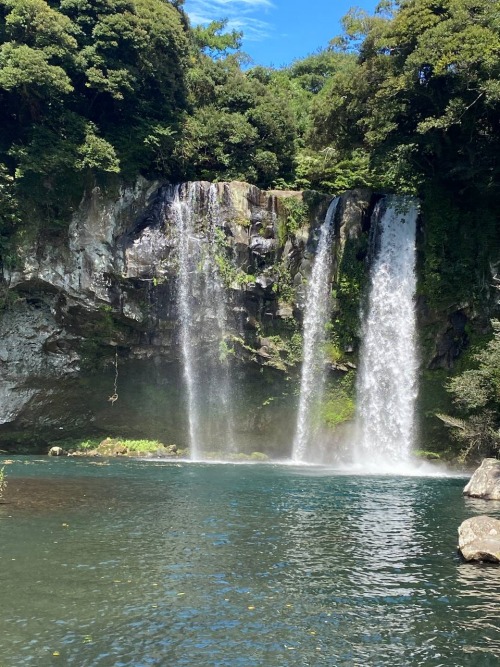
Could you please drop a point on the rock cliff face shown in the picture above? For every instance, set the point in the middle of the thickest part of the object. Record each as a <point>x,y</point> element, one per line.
<point>92,312</point>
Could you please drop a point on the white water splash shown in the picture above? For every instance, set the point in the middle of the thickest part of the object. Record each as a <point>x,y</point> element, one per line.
<point>182,216</point>
<point>387,380</point>
<point>203,323</point>
<point>316,316</point>
<point>215,297</point>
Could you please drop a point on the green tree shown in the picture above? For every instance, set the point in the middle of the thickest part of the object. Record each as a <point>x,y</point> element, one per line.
<point>87,89</point>
<point>239,127</point>
<point>476,393</point>
<point>213,41</point>
<point>422,97</point>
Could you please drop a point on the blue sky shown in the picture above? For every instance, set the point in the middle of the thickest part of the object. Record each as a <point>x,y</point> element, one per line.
<point>278,31</point>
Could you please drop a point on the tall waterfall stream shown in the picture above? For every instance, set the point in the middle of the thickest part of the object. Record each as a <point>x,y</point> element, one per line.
<point>317,314</point>
<point>387,379</point>
<point>203,323</point>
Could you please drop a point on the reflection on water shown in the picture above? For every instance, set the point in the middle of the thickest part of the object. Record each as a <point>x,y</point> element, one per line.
<point>480,592</point>
<point>140,564</point>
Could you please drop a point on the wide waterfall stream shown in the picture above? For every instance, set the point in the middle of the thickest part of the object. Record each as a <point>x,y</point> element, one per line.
<point>203,324</point>
<point>387,379</point>
<point>140,563</point>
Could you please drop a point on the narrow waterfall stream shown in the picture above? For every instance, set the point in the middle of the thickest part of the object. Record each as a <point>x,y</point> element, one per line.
<point>182,213</point>
<point>316,316</point>
<point>203,323</point>
<point>387,380</point>
<point>220,390</point>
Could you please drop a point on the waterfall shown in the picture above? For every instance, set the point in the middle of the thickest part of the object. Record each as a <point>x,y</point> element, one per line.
<point>220,385</point>
<point>387,380</point>
<point>203,321</point>
<point>183,220</point>
<point>317,312</point>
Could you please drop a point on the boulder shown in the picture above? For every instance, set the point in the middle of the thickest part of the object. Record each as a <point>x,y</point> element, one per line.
<point>56,451</point>
<point>262,246</point>
<point>265,282</point>
<point>285,311</point>
<point>479,539</point>
<point>485,482</point>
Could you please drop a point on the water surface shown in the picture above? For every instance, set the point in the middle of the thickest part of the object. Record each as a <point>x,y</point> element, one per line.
<point>144,563</point>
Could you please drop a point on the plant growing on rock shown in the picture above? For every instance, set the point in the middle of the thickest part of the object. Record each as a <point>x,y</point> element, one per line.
<point>283,283</point>
<point>3,482</point>
<point>338,402</point>
<point>292,215</point>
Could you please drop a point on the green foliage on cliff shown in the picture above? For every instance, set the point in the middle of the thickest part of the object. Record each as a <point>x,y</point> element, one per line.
<point>476,394</point>
<point>292,215</point>
<point>460,242</point>
<point>337,405</point>
<point>86,88</point>
<point>239,127</point>
<point>337,408</point>
<point>351,287</point>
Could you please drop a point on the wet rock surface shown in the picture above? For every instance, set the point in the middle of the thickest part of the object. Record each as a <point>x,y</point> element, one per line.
<point>485,482</point>
<point>479,539</point>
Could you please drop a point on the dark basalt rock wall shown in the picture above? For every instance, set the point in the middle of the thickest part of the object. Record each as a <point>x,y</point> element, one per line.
<point>93,313</point>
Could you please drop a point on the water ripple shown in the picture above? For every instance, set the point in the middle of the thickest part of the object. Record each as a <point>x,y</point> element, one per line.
<point>135,564</point>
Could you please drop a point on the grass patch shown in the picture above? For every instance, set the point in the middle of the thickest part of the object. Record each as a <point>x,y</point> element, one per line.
<point>337,408</point>
<point>3,482</point>
<point>118,447</point>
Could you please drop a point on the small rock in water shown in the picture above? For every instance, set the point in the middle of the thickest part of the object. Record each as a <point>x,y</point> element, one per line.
<point>485,482</point>
<point>479,539</point>
<point>56,451</point>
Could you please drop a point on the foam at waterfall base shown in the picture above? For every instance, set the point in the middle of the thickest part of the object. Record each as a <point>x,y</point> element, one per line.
<point>414,468</point>
<point>410,468</point>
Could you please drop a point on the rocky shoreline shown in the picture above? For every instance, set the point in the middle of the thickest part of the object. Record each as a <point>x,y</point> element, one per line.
<point>479,536</point>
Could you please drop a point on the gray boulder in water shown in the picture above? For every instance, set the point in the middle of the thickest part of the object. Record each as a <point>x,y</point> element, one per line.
<point>479,539</point>
<point>485,482</point>
<point>56,451</point>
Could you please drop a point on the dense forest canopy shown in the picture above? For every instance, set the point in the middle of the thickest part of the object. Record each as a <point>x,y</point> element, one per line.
<point>403,98</point>
<point>406,100</point>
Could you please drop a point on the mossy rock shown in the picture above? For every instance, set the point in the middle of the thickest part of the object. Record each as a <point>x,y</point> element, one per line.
<point>427,456</point>
<point>132,448</point>
<point>259,456</point>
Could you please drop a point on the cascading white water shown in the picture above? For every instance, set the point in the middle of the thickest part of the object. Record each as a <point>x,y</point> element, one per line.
<point>316,316</point>
<point>203,323</point>
<point>181,211</point>
<point>220,390</point>
<point>387,380</point>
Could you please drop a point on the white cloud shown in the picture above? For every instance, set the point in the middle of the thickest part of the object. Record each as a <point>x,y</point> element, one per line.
<point>244,15</point>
